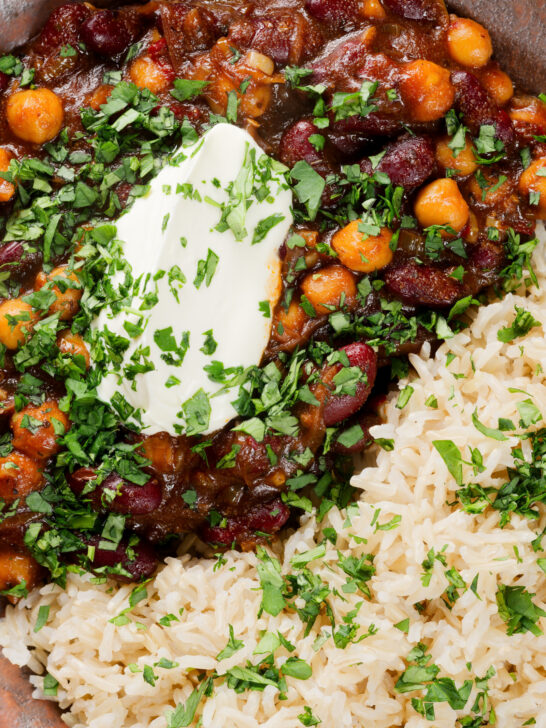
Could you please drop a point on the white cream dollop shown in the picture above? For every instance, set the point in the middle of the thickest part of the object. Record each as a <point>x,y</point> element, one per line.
<point>171,235</point>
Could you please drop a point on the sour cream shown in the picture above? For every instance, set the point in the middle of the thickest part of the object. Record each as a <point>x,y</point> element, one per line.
<point>204,242</point>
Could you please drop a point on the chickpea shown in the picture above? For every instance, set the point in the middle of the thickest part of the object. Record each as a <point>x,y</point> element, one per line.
<point>441,203</point>
<point>426,87</point>
<point>7,189</point>
<point>329,288</point>
<point>16,567</point>
<point>19,476</point>
<point>529,111</point>
<point>468,42</point>
<point>36,429</point>
<point>532,180</point>
<point>17,320</point>
<point>67,296</point>
<point>310,237</point>
<point>373,9</point>
<point>289,324</point>
<point>465,161</point>
<point>99,96</point>
<point>491,193</point>
<point>146,73</point>
<point>161,449</point>
<point>360,252</point>
<point>498,84</point>
<point>255,100</point>
<point>35,115</point>
<point>73,344</point>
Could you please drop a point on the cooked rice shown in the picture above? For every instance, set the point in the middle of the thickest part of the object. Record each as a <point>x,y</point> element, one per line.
<point>353,686</point>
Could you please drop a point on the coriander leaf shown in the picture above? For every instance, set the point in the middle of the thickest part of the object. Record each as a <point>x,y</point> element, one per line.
<point>521,326</point>
<point>487,431</point>
<point>451,455</point>
<point>185,88</point>
<point>309,188</point>
<point>231,648</point>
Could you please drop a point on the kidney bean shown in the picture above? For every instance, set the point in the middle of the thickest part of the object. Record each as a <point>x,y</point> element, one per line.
<point>11,254</point>
<point>62,27</point>
<point>17,261</point>
<point>423,285</point>
<point>4,81</point>
<point>478,108</point>
<point>295,146</point>
<point>265,517</point>
<point>105,33</point>
<point>487,256</point>
<point>336,12</point>
<point>429,10</point>
<point>140,564</point>
<point>354,134</point>
<point>223,535</point>
<point>132,499</point>
<point>408,161</point>
<point>268,517</point>
<point>366,439</point>
<point>338,407</point>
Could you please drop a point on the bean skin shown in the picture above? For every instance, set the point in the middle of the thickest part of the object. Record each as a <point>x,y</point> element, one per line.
<point>487,256</point>
<point>356,133</point>
<point>17,261</point>
<point>140,564</point>
<point>365,423</point>
<point>266,517</point>
<point>428,10</point>
<point>105,34</point>
<point>408,162</point>
<point>118,495</point>
<point>62,27</point>
<point>295,146</point>
<point>339,407</point>
<point>4,81</point>
<point>423,285</point>
<point>11,254</point>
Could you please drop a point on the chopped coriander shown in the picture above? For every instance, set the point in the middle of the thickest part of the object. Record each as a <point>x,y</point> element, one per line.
<point>307,718</point>
<point>487,431</point>
<point>521,326</point>
<point>182,716</point>
<point>50,685</point>
<point>309,188</point>
<point>403,626</point>
<point>451,455</point>
<point>404,396</point>
<point>517,609</point>
<point>185,88</point>
<point>43,615</point>
<point>206,269</point>
<point>231,648</point>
